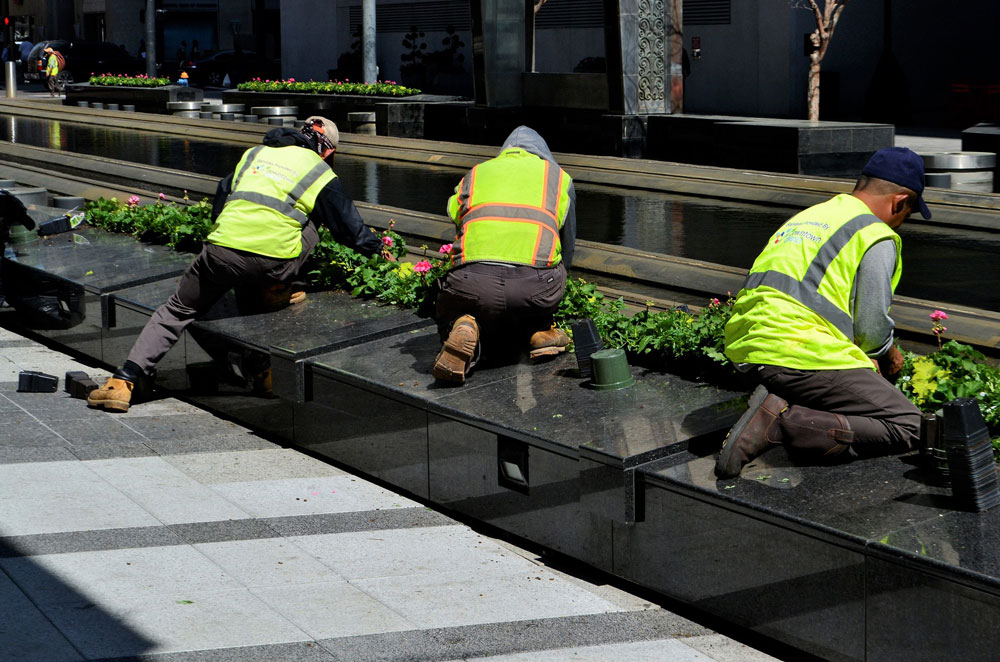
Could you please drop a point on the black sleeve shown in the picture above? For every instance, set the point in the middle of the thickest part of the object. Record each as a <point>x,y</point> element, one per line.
<point>337,212</point>
<point>567,233</point>
<point>222,192</point>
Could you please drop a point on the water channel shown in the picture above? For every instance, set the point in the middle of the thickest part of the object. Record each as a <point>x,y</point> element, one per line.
<point>958,266</point>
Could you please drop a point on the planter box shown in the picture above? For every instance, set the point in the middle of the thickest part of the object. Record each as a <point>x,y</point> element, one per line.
<point>145,99</point>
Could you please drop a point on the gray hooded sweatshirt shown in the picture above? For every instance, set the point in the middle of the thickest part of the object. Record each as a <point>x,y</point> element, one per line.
<point>529,140</point>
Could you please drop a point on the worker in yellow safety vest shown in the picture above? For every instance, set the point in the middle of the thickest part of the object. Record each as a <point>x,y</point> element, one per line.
<point>811,326</point>
<point>516,231</point>
<point>267,215</point>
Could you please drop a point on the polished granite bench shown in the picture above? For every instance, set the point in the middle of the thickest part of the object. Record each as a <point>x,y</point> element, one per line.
<point>82,269</point>
<point>869,560</point>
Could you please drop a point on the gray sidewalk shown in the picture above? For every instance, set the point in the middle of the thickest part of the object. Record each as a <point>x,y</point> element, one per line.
<point>169,534</point>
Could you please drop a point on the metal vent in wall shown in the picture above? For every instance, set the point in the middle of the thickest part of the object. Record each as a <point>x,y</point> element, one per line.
<point>570,14</point>
<point>707,12</point>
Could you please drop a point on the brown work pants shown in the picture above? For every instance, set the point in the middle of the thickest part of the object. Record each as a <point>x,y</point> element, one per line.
<point>883,420</point>
<point>214,272</point>
<point>509,302</point>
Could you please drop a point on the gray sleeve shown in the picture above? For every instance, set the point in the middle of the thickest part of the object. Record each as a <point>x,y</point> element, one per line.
<point>872,297</point>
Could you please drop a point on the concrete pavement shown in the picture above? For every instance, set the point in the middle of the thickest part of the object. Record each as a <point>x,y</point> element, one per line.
<point>170,534</point>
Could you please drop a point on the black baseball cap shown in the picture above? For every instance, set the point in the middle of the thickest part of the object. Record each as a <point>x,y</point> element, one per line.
<point>903,166</point>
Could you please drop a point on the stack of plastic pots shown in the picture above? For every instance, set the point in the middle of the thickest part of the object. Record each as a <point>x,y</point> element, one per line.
<point>933,450</point>
<point>970,455</point>
<point>586,341</point>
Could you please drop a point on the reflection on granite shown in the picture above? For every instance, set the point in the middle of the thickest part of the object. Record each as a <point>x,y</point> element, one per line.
<point>464,476</point>
<point>401,365</point>
<point>748,570</point>
<point>621,428</point>
<point>917,616</point>
<point>98,260</point>
<point>954,540</point>
<point>325,321</point>
<point>368,432</point>
<point>858,501</point>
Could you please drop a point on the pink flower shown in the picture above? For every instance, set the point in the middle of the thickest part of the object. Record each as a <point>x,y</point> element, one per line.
<point>133,201</point>
<point>939,315</point>
<point>422,267</point>
<point>445,249</point>
<point>163,197</point>
<point>387,241</point>
<point>291,80</point>
<point>715,302</point>
<point>938,329</point>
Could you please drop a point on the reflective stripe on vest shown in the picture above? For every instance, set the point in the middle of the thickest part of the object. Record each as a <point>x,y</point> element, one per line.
<point>806,291</point>
<point>543,217</point>
<point>286,206</point>
<point>273,192</point>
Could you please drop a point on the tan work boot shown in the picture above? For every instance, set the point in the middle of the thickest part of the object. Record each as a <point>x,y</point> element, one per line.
<point>547,343</point>
<point>455,357</point>
<point>753,434</point>
<point>261,384</point>
<point>276,297</point>
<point>115,395</point>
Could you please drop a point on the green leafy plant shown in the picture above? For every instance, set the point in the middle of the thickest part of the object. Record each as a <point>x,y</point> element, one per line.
<point>128,81</point>
<point>379,88</point>
<point>182,227</point>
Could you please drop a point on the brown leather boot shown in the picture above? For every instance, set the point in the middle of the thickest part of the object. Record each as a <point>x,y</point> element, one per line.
<point>115,395</point>
<point>816,435</point>
<point>753,434</point>
<point>276,297</point>
<point>547,343</point>
<point>455,358</point>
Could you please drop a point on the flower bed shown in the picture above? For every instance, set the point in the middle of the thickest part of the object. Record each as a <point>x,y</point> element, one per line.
<point>378,88</point>
<point>674,340</point>
<point>124,80</point>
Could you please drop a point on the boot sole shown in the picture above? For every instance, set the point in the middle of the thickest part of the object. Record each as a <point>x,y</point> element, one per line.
<point>455,355</point>
<point>728,464</point>
<point>111,405</point>
<point>545,351</point>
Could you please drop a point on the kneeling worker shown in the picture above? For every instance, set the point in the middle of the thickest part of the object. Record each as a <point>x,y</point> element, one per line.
<point>811,326</point>
<point>266,217</point>
<point>516,218</point>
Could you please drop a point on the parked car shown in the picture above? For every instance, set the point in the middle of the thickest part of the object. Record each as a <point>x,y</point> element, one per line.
<point>83,58</point>
<point>212,69</point>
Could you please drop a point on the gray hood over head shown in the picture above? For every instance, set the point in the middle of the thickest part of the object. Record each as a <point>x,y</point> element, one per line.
<point>529,140</point>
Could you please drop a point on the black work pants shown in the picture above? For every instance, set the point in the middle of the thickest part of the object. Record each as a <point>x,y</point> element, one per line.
<point>214,272</point>
<point>509,302</point>
<point>884,421</point>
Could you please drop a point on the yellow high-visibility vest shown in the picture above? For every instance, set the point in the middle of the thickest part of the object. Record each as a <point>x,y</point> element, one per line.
<point>794,310</point>
<point>510,209</point>
<point>274,191</point>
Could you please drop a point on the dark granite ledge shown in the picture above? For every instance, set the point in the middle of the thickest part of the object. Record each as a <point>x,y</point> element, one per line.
<point>98,261</point>
<point>887,507</point>
<point>546,404</point>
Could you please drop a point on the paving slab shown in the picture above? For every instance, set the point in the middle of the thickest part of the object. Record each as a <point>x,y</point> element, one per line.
<point>218,543</point>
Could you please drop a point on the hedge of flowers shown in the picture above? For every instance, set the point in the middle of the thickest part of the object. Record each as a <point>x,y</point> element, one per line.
<point>675,340</point>
<point>128,81</point>
<point>379,88</point>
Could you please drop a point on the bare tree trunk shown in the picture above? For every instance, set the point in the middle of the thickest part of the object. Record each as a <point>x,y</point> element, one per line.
<point>826,22</point>
<point>812,95</point>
